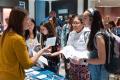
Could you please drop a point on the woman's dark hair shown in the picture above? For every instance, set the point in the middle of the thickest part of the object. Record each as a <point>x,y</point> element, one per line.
<point>80,18</point>
<point>95,27</point>
<point>51,32</point>
<point>15,21</point>
<point>55,24</point>
<point>27,33</point>
<point>70,20</point>
<point>50,28</point>
<point>112,23</point>
<point>118,22</point>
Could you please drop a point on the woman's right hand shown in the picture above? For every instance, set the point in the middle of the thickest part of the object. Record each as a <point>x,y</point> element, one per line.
<point>41,52</point>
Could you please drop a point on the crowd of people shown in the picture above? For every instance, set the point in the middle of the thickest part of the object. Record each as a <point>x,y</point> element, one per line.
<point>80,31</point>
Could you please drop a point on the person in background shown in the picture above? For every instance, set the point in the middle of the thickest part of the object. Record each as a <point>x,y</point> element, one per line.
<point>1,28</point>
<point>96,46</point>
<point>14,56</point>
<point>53,14</point>
<point>87,20</point>
<point>77,39</point>
<point>31,36</point>
<point>118,27</point>
<point>66,29</point>
<point>112,26</point>
<point>58,29</point>
<point>6,25</point>
<point>118,22</point>
<point>47,32</point>
<point>33,39</point>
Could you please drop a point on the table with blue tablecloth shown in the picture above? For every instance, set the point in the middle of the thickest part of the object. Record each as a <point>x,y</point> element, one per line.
<point>37,73</point>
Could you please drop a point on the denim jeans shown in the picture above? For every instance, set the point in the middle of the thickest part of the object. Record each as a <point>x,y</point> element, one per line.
<point>98,72</point>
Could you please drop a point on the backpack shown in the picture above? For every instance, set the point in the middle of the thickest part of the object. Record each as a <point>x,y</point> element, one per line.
<point>112,46</point>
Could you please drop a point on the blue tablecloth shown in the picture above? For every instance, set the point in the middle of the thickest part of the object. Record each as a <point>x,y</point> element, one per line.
<point>30,75</point>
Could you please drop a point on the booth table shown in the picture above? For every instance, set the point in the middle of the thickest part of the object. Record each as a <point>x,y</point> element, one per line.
<point>37,73</point>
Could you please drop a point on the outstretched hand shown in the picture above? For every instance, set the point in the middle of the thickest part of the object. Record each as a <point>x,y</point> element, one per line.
<point>47,49</point>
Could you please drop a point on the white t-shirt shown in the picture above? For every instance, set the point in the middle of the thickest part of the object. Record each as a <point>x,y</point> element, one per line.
<point>31,43</point>
<point>79,40</point>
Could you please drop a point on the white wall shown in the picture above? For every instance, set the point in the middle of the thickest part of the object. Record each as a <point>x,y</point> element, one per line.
<point>32,9</point>
<point>80,6</point>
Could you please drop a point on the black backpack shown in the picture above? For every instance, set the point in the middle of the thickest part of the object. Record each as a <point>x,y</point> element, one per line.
<point>112,64</point>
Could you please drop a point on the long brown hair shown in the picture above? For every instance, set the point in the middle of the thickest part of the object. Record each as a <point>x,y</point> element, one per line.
<point>50,28</point>
<point>15,21</point>
<point>51,32</point>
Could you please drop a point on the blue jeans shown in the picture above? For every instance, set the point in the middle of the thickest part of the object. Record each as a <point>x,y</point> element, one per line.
<point>98,72</point>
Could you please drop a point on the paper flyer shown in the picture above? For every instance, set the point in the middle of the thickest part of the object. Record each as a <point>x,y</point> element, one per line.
<point>70,52</point>
<point>51,41</point>
<point>41,76</point>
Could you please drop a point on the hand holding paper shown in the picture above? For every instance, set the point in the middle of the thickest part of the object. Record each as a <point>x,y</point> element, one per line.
<point>51,41</point>
<point>71,52</point>
<point>41,59</point>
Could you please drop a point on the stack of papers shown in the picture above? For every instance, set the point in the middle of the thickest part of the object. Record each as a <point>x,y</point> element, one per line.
<point>29,70</point>
<point>34,72</point>
<point>71,52</point>
<point>41,76</point>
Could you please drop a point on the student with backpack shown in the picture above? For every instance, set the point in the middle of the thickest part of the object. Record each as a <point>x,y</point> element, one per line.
<point>96,46</point>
